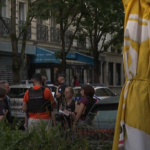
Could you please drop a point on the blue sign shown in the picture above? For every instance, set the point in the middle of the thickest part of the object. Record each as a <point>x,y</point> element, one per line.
<point>71,56</point>
<point>44,56</point>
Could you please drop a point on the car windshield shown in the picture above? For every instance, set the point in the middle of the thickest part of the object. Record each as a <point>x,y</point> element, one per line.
<point>77,93</point>
<point>17,92</point>
<point>102,116</point>
<point>103,92</point>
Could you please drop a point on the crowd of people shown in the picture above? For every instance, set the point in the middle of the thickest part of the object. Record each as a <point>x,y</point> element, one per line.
<point>38,103</point>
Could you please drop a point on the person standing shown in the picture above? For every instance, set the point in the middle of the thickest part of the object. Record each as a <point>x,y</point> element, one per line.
<point>36,103</point>
<point>60,89</point>
<point>3,108</point>
<point>4,84</point>
<point>76,82</point>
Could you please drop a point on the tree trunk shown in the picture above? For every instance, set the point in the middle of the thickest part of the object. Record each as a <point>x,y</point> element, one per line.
<point>63,53</point>
<point>14,42</point>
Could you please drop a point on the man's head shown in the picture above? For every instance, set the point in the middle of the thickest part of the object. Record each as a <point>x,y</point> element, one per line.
<point>4,84</point>
<point>37,79</point>
<point>44,80</point>
<point>2,93</point>
<point>61,78</point>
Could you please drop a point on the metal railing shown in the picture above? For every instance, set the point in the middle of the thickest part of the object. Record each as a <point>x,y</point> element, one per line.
<point>3,30</point>
<point>42,32</point>
<point>21,26</point>
<point>82,43</point>
<point>55,36</point>
<point>68,37</point>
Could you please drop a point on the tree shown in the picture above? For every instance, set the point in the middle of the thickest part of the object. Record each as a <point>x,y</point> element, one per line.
<point>102,18</point>
<point>68,14</point>
<point>22,35</point>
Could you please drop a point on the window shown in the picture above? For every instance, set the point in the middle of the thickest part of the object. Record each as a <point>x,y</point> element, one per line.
<point>110,73</point>
<point>22,11</point>
<point>118,74</point>
<point>53,21</point>
<point>45,72</point>
<point>77,93</point>
<point>3,8</point>
<point>39,21</point>
<point>103,92</point>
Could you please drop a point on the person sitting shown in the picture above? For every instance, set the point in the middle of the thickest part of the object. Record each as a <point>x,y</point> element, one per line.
<point>3,110</point>
<point>86,103</point>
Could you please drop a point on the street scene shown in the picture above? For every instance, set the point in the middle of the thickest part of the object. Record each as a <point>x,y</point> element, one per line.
<point>74,75</point>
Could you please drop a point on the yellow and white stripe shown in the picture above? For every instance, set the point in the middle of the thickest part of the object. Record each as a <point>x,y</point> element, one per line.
<point>132,130</point>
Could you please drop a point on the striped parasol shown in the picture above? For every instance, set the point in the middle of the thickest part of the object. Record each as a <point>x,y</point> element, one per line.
<point>133,121</point>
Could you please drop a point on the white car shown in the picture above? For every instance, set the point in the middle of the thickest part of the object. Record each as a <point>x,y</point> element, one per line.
<point>16,95</point>
<point>101,92</point>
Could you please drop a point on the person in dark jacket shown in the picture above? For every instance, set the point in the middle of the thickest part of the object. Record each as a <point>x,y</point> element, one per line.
<point>4,84</point>
<point>36,103</point>
<point>3,107</point>
<point>60,89</point>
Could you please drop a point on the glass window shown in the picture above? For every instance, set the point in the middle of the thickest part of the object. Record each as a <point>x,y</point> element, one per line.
<point>110,73</point>
<point>17,92</point>
<point>109,92</point>
<point>104,92</point>
<point>101,92</point>
<point>45,72</point>
<point>3,8</point>
<point>21,11</point>
<point>67,76</point>
<point>85,76</point>
<point>77,93</point>
<point>53,21</point>
<point>118,74</point>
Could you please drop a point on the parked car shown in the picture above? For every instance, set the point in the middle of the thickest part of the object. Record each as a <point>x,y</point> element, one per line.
<point>100,123</point>
<point>101,93</point>
<point>16,97</point>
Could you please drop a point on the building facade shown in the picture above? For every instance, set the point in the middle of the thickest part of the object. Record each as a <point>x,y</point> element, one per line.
<point>43,41</point>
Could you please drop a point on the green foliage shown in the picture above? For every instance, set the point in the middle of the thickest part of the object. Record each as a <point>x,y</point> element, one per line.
<point>102,18</point>
<point>38,139</point>
<point>53,139</point>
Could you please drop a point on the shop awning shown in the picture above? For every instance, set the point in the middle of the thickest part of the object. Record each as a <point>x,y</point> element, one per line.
<point>85,58</point>
<point>44,56</point>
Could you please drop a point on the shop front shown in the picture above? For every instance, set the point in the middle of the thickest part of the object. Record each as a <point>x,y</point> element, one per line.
<point>6,61</point>
<point>77,64</point>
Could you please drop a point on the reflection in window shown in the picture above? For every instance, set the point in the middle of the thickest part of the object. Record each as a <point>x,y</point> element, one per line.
<point>110,73</point>
<point>21,11</point>
<point>67,76</point>
<point>77,93</point>
<point>104,92</point>
<point>45,72</point>
<point>118,74</point>
<point>101,92</point>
